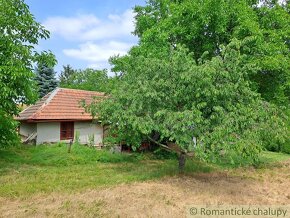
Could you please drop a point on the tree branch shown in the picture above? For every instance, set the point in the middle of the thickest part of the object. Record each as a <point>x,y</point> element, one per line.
<point>160,144</point>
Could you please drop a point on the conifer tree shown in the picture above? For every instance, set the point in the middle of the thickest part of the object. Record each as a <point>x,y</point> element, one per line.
<point>45,78</point>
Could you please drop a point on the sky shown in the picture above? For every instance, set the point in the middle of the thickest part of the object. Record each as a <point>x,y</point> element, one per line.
<point>85,33</point>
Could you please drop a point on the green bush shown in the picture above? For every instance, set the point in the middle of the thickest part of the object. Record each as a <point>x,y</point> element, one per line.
<point>275,147</point>
<point>285,148</point>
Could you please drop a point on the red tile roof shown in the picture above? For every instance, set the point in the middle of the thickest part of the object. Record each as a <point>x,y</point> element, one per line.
<point>60,104</point>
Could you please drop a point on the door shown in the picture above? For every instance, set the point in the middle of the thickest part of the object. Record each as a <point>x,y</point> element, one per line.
<point>66,130</point>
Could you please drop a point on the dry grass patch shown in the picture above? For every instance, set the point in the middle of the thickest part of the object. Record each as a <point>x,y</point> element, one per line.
<point>166,197</point>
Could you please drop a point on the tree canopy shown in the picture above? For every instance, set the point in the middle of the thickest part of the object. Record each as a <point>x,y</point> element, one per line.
<point>203,26</point>
<point>65,75</point>
<point>87,79</point>
<point>201,70</point>
<point>19,33</point>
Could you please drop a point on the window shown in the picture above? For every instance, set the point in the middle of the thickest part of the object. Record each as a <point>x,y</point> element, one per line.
<point>66,130</point>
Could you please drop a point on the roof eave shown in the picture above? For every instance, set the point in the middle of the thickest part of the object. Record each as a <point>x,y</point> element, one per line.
<point>55,120</point>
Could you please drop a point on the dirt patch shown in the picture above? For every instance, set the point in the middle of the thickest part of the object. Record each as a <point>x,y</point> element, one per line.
<point>167,197</point>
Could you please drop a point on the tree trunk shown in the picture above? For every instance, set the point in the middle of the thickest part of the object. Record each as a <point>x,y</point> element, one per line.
<point>181,162</point>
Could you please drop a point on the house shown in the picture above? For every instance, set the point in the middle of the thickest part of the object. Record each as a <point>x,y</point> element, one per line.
<point>59,116</point>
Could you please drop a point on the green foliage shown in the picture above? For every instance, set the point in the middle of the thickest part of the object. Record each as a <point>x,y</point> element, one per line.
<point>88,79</point>
<point>205,69</point>
<point>45,79</point>
<point>8,128</point>
<point>19,33</point>
<point>170,94</point>
<point>285,148</point>
<point>65,76</point>
<point>203,26</point>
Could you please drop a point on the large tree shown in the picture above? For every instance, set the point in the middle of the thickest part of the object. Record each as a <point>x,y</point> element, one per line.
<point>19,33</point>
<point>203,26</point>
<point>196,74</point>
<point>45,79</point>
<point>169,100</point>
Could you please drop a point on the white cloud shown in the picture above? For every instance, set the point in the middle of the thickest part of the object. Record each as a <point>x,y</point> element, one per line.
<point>87,27</point>
<point>97,54</point>
<point>96,39</point>
<point>100,65</point>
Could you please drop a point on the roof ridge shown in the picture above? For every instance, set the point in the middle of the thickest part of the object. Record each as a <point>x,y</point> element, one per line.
<point>77,90</point>
<point>46,102</point>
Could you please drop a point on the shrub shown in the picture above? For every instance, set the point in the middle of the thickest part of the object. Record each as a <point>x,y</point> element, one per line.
<point>285,148</point>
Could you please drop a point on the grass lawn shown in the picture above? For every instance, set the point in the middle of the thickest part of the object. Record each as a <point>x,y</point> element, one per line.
<point>26,170</point>
<point>85,181</point>
<point>270,157</point>
<point>44,169</point>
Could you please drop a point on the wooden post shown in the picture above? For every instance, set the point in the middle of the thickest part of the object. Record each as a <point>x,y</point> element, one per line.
<point>69,146</point>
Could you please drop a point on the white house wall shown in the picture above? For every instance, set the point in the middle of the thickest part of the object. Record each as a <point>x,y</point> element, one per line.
<point>26,129</point>
<point>48,132</point>
<point>86,129</point>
